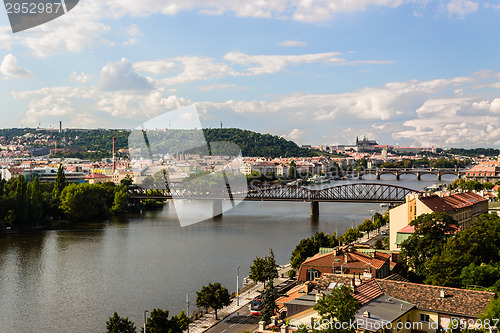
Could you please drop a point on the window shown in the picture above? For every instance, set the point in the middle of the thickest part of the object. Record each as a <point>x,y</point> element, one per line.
<point>424,318</point>
<point>312,274</point>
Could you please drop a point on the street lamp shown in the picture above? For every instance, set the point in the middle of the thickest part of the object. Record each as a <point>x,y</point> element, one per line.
<point>238,286</point>
<point>145,320</point>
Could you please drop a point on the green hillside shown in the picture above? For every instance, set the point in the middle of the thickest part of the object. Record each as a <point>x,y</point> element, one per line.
<point>97,143</point>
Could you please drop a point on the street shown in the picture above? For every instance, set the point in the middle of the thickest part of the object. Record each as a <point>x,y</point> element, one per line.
<point>237,322</point>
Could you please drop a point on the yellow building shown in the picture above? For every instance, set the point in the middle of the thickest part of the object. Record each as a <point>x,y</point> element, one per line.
<point>463,208</point>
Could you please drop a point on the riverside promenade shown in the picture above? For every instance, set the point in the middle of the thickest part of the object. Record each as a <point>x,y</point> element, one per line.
<point>208,319</point>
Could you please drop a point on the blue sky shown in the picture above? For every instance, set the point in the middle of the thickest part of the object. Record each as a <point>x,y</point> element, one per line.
<point>413,72</point>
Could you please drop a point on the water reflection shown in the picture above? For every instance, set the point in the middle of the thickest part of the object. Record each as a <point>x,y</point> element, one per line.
<point>73,280</point>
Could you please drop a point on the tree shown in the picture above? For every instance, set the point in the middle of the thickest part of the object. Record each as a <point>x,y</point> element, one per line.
<point>84,201</point>
<point>367,226</point>
<point>351,235</point>
<point>264,269</point>
<point>479,244</point>
<point>21,202</point>
<point>127,180</point>
<point>159,322</point>
<point>292,172</point>
<point>120,200</point>
<point>340,305</point>
<point>213,296</point>
<point>59,183</point>
<point>35,202</point>
<point>492,311</point>
<point>479,275</point>
<point>117,324</point>
<point>308,247</point>
<point>431,233</point>
<point>268,305</point>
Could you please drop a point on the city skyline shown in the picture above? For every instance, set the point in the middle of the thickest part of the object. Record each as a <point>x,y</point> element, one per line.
<point>414,73</point>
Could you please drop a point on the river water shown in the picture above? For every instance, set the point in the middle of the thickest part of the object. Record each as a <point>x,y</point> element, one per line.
<point>73,280</point>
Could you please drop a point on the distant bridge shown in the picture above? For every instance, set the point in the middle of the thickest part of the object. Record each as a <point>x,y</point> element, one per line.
<point>357,192</point>
<point>439,172</point>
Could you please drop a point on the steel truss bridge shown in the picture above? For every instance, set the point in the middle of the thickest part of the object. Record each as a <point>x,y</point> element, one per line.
<point>356,192</point>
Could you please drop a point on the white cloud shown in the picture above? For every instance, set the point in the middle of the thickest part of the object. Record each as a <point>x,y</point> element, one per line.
<point>292,43</point>
<point>295,135</point>
<point>462,7</point>
<point>140,106</point>
<point>134,33</point>
<point>10,68</point>
<point>73,32</point>
<point>81,78</point>
<point>121,76</point>
<point>6,39</point>
<point>218,86</point>
<point>268,64</point>
<point>454,122</point>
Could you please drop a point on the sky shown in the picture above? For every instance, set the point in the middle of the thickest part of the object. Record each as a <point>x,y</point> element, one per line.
<point>408,72</point>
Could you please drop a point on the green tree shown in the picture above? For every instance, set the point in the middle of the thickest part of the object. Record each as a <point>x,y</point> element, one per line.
<point>340,306</point>
<point>21,202</point>
<point>308,247</point>
<point>59,183</point>
<point>127,181</point>
<point>479,244</point>
<point>84,201</point>
<point>492,312</point>
<point>431,233</point>
<point>120,200</point>
<point>351,235</point>
<point>117,324</point>
<point>367,226</point>
<point>479,275</point>
<point>264,269</point>
<point>36,203</point>
<point>268,305</point>
<point>213,296</point>
<point>292,172</point>
<point>159,322</point>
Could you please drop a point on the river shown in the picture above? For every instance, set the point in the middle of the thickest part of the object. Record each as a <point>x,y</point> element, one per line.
<point>73,280</point>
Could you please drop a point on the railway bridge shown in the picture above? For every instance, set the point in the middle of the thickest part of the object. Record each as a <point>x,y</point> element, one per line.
<point>356,192</point>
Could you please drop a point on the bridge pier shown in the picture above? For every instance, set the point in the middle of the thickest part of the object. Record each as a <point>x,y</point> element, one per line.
<point>360,175</point>
<point>216,208</point>
<point>418,175</point>
<point>439,175</point>
<point>397,175</point>
<point>314,208</point>
<point>377,176</point>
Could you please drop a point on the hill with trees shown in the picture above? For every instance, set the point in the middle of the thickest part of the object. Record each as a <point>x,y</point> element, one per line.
<point>96,144</point>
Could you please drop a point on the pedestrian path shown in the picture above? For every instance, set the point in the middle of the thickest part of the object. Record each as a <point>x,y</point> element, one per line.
<point>208,319</point>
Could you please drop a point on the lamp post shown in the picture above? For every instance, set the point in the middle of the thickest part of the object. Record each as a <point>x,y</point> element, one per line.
<point>238,286</point>
<point>145,320</point>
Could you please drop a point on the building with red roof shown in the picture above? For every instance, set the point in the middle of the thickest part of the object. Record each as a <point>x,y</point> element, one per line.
<point>463,208</point>
<point>345,260</point>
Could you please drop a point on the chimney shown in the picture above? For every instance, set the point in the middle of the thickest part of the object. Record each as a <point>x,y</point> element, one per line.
<point>345,258</point>
<point>441,293</point>
<point>366,314</point>
<point>114,154</point>
<point>353,285</point>
<point>60,126</point>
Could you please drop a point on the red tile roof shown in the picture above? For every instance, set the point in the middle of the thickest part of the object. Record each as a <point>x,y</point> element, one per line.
<point>452,202</point>
<point>367,291</point>
<point>463,302</point>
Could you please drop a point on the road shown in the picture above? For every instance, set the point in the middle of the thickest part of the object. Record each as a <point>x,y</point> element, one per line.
<point>237,322</point>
